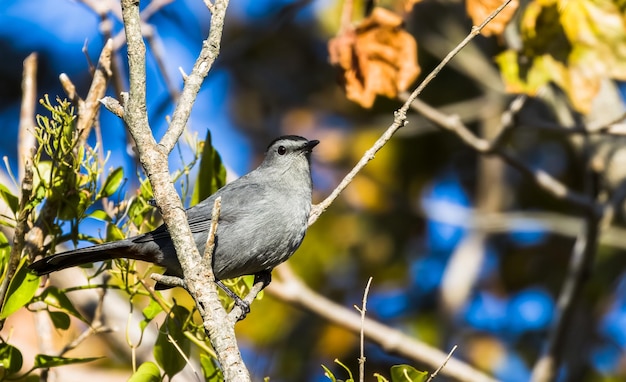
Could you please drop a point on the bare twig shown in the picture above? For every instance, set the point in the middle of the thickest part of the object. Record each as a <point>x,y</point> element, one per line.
<point>88,110</point>
<point>400,119</point>
<point>199,279</point>
<point>362,310</point>
<point>113,106</point>
<point>546,367</point>
<point>19,235</point>
<point>97,326</point>
<point>172,281</point>
<point>433,375</point>
<point>541,178</point>
<point>208,54</point>
<point>210,241</point>
<point>291,289</point>
<point>26,139</point>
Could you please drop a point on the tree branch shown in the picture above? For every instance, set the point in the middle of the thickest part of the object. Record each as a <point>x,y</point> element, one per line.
<point>399,120</point>
<point>154,159</point>
<point>193,82</point>
<point>291,289</point>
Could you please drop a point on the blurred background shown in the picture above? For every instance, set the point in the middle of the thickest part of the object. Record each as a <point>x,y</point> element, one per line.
<point>462,248</point>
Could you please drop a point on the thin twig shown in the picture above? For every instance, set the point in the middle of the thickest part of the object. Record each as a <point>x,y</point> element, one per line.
<point>88,110</point>
<point>433,375</point>
<point>400,119</point>
<point>541,178</point>
<point>582,258</point>
<point>206,58</point>
<point>289,288</point>
<point>26,139</point>
<point>210,241</point>
<point>362,310</point>
<point>21,228</point>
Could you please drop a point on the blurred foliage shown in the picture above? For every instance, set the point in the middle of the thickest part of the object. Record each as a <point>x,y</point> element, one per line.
<point>69,180</point>
<point>575,45</point>
<point>403,219</point>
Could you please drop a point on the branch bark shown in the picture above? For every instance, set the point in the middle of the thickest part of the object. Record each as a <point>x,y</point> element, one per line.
<point>154,159</point>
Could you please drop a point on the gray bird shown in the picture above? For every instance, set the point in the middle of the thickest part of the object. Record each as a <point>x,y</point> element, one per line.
<point>263,220</point>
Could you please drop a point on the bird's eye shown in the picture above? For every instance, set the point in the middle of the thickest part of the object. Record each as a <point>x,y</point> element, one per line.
<point>281,150</point>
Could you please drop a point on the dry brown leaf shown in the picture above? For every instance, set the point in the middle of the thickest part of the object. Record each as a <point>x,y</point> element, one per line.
<point>409,4</point>
<point>377,57</point>
<point>479,10</point>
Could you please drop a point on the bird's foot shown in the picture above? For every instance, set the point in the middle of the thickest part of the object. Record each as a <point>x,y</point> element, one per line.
<point>243,305</point>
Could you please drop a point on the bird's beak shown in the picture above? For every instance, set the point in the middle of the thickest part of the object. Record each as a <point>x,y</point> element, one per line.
<point>309,145</point>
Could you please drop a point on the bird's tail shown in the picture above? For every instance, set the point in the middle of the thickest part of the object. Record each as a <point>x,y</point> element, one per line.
<point>102,252</point>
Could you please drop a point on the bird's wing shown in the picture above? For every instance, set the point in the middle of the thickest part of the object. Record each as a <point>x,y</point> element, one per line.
<point>199,216</point>
<point>237,197</point>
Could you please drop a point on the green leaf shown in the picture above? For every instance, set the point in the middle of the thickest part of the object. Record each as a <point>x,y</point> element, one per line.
<point>43,361</point>
<point>61,320</point>
<point>5,253</point>
<point>146,189</point>
<point>149,312</point>
<point>10,359</point>
<point>58,299</point>
<point>11,200</point>
<point>347,369</point>
<point>406,373</point>
<point>329,374</point>
<point>380,378</point>
<point>21,290</point>
<point>100,215</point>
<point>165,352</point>
<point>114,233</point>
<point>211,175</point>
<point>210,369</point>
<point>112,183</point>
<point>147,372</point>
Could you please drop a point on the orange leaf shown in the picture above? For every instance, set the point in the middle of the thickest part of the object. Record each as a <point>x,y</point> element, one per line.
<point>479,10</point>
<point>377,57</point>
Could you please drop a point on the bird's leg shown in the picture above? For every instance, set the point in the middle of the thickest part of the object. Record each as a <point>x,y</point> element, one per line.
<point>264,277</point>
<point>245,307</point>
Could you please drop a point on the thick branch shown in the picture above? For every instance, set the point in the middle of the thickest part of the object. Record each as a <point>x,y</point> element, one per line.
<point>154,159</point>
<point>193,82</point>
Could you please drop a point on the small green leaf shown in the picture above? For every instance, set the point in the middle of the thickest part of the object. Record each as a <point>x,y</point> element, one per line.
<point>147,372</point>
<point>146,189</point>
<point>21,290</point>
<point>149,312</point>
<point>165,353</point>
<point>58,299</point>
<point>329,374</point>
<point>61,320</point>
<point>406,373</point>
<point>380,378</point>
<point>212,173</point>
<point>347,369</point>
<point>10,359</point>
<point>210,369</point>
<point>11,200</point>
<point>5,253</point>
<point>112,183</point>
<point>100,215</point>
<point>43,361</point>
<point>114,233</point>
